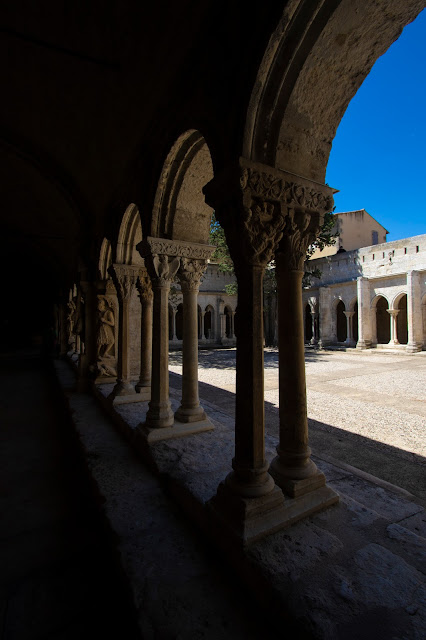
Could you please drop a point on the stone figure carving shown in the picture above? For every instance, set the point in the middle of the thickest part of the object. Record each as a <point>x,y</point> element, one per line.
<point>106,365</point>
<point>106,337</point>
<point>70,322</point>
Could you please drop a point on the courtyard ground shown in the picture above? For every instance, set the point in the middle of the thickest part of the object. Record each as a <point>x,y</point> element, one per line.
<point>365,408</point>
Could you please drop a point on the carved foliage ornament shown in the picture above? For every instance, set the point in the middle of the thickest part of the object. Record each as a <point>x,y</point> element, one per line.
<point>124,278</point>
<point>190,273</point>
<point>268,204</point>
<point>144,287</point>
<point>175,248</point>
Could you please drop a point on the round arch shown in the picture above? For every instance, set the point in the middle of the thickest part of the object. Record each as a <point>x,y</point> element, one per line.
<point>400,304</point>
<point>383,320</point>
<point>299,98</point>
<point>180,211</point>
<point>209,322</point>
<point>129,235</point>
<point>105,259</point>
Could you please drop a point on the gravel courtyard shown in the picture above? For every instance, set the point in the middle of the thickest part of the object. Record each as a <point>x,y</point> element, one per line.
<point>366,408</point>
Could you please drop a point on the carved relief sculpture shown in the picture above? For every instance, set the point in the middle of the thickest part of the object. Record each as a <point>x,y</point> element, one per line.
<point>106,365</point>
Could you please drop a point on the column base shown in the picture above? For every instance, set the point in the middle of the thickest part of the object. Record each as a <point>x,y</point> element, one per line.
<point>176,430</point>
<point>195,414</point>
<point>363,344</point>
<point>123,389</point>
<point>310,478</point>
<point>241,520</point>
<point>159,416</point>
<point>144,392</point>
<point>414,347</point>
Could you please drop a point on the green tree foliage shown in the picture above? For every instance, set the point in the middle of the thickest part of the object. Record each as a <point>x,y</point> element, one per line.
<point>327,237</point>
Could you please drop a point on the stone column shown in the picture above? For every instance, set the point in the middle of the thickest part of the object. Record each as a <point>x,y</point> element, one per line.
<point>364,320</point>
<point>325,316</point>
<point>162,269</point>
<point>393,327</point>
<point>190,273</point>
<point>293,469</point>
<point>349,328</point>
<point>144,288</point>
<point>124,278</point>
<point>87,358</point>
<point>173,327</point>
<point>232,325</point>
<point>414,312</point>
<point>202,337</point>
<point>256,204</point>
<point>63,336</point>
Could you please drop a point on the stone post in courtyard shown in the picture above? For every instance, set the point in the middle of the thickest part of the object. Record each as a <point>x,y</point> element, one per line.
<point>364,319</point>
<point>393,327</point>
<point>143,286</point>
<point>414,312</point>
<point>190,273</point>
<point>124,278</point>
<point>304,206</point>
<point>349,328</point>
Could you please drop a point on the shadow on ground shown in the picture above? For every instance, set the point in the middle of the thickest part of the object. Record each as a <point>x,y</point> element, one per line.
<point>381,460</point>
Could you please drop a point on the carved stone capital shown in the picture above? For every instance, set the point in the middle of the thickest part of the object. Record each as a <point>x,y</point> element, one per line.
<point>190,273</point>
<point>124,277</point>
<point>143,285</point>
<point>163,257</point>
<point>257,205</point>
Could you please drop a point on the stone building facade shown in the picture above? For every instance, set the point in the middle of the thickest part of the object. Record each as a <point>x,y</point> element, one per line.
<point>369,297</point>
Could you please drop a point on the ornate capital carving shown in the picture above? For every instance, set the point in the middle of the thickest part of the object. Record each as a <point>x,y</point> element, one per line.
<point>163,257</point>
<point>190,273</point>
<point>124,277</point>
<point>257,205</point>
<point>143,285</point>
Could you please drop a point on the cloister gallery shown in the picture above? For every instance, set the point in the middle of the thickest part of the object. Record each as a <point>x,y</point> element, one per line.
<point>124,127</point>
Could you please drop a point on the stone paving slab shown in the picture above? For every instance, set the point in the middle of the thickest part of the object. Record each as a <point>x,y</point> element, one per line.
<point>355,570</point>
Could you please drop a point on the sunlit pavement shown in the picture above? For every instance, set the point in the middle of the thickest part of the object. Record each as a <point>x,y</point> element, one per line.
<point>365,408</point>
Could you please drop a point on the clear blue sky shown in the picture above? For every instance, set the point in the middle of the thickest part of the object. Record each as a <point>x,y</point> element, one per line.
<point>378,159</point>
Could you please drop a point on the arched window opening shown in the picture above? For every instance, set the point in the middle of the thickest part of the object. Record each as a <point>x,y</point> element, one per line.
<point>208,323</point>
<point>401,321</point>
<point>341,322</point>
<point>382,321</point>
